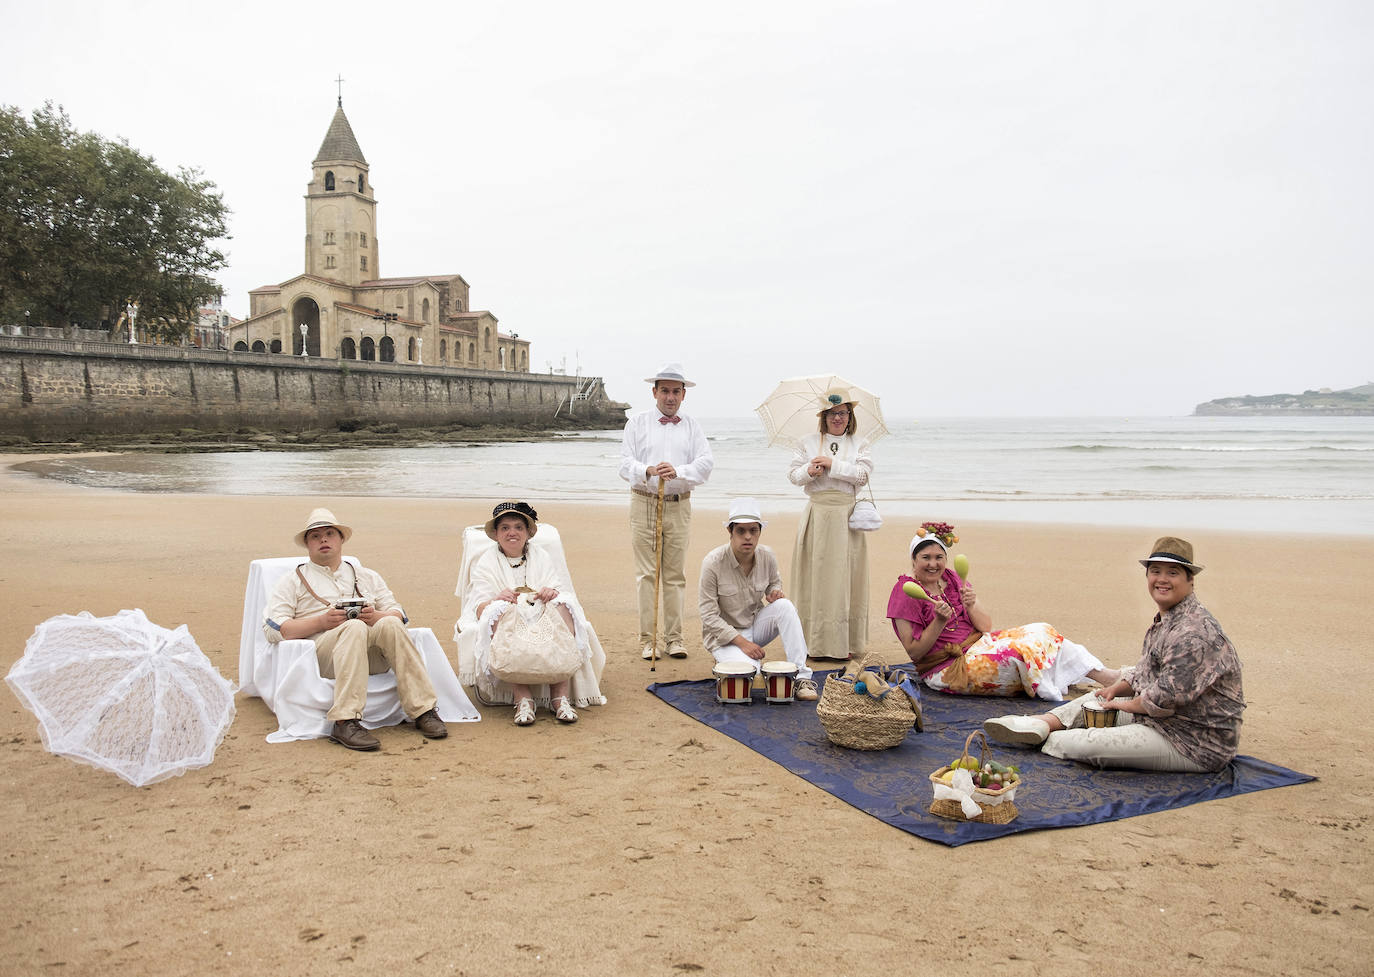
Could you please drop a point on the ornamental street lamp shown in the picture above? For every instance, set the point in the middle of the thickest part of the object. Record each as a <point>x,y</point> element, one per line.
<point>305,332</point>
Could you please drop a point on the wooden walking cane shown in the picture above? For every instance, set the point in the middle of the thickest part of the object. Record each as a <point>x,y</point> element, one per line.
<point>658,571</point>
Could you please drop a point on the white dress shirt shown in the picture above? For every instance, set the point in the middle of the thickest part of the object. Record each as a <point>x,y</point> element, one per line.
<point>647,443</point>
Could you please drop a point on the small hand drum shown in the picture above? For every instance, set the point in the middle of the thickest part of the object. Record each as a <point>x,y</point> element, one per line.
<point>734,682</point>
<point>1096,717</point>
<point>779,681</point>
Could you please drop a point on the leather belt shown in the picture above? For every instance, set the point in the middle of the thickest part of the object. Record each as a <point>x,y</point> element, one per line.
<point>676,497</point>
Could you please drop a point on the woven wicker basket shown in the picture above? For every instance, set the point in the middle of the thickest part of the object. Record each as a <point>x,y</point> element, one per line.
<point>997,806</point>
<point>861,722</point>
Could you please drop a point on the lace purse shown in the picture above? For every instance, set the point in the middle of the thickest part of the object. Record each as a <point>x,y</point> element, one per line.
<point>532,645</point>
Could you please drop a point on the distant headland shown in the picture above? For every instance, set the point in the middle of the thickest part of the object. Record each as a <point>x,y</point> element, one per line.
<point>1357,401</point>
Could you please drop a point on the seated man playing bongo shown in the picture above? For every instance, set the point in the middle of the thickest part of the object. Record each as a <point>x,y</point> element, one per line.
<point>741,601</point>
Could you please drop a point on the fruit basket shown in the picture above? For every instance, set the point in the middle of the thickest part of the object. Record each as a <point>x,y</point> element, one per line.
<point>993,790</point>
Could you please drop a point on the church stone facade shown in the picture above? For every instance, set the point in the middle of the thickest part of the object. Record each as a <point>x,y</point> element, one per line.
<point>350,312</point>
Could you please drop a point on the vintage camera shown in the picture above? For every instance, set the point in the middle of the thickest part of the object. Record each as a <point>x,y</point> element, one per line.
<point>352,606</point>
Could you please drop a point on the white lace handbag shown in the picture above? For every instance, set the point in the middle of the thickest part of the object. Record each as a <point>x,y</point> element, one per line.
<point>864,516</point>
<point>532,645</point>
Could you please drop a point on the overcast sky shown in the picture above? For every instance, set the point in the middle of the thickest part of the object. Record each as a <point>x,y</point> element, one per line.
<point>971,209</point>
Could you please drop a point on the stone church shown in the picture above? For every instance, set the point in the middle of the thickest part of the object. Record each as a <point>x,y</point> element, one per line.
<point>349,311</point>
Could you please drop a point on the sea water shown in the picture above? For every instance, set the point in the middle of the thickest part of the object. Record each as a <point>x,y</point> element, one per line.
<point>1283,474</point>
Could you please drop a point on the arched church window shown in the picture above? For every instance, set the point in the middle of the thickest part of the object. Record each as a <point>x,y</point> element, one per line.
<point>501,357</point>
<point>472,352</point>
<point>240,347</point>
<point>360,183</point>
<point>363,262</point>
<point>329,180</point>
<point>424,311</point>
<point>276,345</point>
<point>348,349</point>
<point>387,349</point>
<point>486,339</point>
<point>443,351</point>
<point>362,238</point>
<point>410,349</point>
<point>369,351</point>
<point>259,346</point>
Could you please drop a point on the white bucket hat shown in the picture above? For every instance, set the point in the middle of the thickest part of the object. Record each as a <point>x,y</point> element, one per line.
<point>744,510</point>
<point>670,371</point>
<point>319,518</point>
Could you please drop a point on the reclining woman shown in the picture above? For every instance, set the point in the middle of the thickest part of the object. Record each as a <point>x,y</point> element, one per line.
<point>950,639</point>
<point>499,577</point>
<point>1178,709</point>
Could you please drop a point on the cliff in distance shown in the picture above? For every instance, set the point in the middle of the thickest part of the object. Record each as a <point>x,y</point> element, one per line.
<point>1357,401</point>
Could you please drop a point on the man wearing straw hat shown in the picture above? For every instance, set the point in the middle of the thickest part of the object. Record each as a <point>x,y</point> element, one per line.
<point>741,601</point>
<point>663,455</point>
<point>1178,709</point>
<point>358,629</point>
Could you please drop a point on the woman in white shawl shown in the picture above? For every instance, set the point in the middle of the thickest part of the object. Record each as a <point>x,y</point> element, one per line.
<point>829,581</point>
<point>498,578</point>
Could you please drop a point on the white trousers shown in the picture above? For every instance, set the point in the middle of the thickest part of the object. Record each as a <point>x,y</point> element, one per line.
<point>778,618</point>
<point>1128,744</point>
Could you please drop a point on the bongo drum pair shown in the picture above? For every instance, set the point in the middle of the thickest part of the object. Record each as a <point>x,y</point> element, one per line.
<point>735,681</point>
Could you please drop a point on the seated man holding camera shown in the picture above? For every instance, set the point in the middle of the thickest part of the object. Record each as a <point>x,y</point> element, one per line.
<point>358,629</point>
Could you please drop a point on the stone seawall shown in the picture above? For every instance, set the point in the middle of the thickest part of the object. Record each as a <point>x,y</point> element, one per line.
<point>53,389</point>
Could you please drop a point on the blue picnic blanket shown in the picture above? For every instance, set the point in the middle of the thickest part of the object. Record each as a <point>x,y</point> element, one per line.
<point>894,785</point>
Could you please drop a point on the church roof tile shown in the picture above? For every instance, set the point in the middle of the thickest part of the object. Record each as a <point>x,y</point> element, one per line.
<point>339,142</point>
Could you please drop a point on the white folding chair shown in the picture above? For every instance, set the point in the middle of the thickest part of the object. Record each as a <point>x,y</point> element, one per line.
<point>286,675</point>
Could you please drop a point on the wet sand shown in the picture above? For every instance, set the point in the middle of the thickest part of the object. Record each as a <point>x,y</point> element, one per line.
<point>639,841</point>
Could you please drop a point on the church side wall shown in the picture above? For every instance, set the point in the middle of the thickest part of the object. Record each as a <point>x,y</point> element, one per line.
<point>53,389</point>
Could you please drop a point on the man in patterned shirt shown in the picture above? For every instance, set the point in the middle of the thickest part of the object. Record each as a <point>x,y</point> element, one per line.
<point>1179,708</point>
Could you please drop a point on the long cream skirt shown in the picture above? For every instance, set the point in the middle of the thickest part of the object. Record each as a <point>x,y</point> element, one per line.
<point>830,578</point>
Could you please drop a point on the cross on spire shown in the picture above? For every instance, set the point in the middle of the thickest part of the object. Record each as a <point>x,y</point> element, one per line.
<point>340,82</point>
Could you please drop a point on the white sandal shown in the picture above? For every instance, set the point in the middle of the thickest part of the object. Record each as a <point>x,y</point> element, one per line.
<point>563,710</point>
<point>524,712</point>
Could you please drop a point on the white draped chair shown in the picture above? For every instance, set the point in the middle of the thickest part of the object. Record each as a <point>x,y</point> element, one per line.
<point>475,543</point>
<point>286,675</point>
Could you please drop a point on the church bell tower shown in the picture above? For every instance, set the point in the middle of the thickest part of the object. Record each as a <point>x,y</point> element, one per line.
<point>340,211</point>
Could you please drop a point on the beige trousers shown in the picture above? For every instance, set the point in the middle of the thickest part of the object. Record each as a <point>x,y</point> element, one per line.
<point>352,651</point>
<point>677,526</point>
<point>1128,744</point>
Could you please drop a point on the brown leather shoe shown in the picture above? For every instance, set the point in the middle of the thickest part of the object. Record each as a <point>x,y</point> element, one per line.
<point>350,733</point>
<point>431,725</point>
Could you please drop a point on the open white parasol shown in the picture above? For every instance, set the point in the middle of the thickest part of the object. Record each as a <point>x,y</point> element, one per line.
<point>123,694</point>
<point>789,413</point>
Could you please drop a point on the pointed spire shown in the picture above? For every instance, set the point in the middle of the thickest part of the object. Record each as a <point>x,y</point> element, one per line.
<point>339,142</point>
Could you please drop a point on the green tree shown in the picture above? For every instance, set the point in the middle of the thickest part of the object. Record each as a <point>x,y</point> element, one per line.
<point>87,223</point>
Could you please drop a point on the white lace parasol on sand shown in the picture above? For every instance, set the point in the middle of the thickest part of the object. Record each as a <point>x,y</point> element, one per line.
<point>124,695</point>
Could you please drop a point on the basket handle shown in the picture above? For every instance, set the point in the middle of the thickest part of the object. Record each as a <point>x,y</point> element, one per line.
<point>982,750</point>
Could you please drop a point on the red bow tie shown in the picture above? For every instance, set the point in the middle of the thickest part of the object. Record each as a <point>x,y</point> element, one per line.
<point>670,420</point>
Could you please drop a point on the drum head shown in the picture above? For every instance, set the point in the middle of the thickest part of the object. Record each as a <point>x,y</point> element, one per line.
<point>732,669</point>
<point>779,668</point>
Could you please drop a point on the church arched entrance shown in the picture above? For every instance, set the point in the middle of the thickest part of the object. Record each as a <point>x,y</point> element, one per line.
<point>304,310</point>
<point>388,350</point>
<point>348,349</point>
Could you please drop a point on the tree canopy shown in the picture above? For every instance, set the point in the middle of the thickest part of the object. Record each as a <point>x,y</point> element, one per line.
<point>87,223</point>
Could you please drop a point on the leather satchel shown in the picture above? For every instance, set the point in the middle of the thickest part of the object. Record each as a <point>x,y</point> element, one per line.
<point>532,645</point>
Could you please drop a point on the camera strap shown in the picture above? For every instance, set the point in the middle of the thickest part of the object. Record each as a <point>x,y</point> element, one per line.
<point>327,603</point>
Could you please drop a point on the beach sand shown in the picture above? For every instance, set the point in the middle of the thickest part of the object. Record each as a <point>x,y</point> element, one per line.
<point>640,841</point>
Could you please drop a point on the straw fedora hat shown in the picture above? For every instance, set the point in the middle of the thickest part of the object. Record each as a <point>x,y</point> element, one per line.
<point>671,371</point>
<point>322,517</point>
<point>513,508</point>
<point>1171,549</point>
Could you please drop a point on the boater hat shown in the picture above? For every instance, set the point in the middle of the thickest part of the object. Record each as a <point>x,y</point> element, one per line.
<point>670,371</point>
<point>836,397</point>
<point>319,518</point>
<point>744,510</point>
<point>512,508</point>
<point>1171,549</point>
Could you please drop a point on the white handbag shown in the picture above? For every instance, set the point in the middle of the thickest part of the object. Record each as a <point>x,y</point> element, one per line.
<point>532,645</point>
<point>864,516</point>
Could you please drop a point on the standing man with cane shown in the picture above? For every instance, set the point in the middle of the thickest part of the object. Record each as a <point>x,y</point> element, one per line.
<point>664,454</point>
